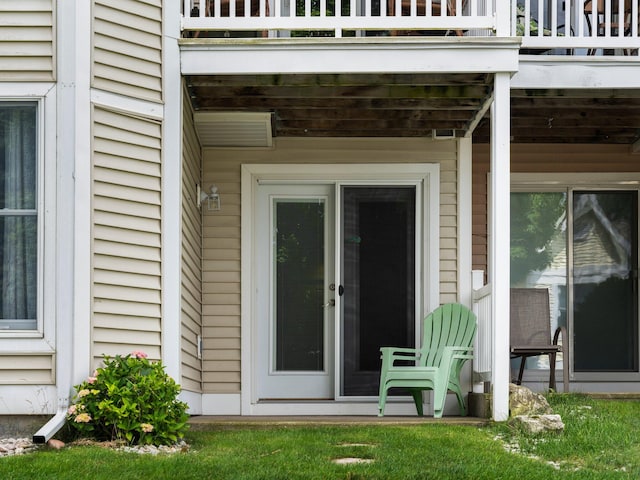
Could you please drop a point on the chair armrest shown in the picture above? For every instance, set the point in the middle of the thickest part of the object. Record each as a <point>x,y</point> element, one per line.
<point>449,354</point>
<point>458,352</point>
<point>560,331</point>
<point>391,354</point>
<point>394,350</point>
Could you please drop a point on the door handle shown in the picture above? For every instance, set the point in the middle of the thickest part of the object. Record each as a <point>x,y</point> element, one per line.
<point>340,290</point>
<point>330,303</point>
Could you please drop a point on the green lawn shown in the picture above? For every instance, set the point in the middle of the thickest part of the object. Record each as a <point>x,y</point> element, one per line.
<point>601,440</point>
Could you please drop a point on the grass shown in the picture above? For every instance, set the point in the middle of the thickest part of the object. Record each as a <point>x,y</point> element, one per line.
<point>600,441</point>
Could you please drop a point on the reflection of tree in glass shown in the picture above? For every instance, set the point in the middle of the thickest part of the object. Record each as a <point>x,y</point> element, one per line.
<point>534,221</point>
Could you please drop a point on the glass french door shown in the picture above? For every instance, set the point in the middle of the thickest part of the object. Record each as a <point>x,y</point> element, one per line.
<point>295,307</point>
<point>334,285</point>
<point>378,268</point>
<point>605,294</point>
<point>583,246</point>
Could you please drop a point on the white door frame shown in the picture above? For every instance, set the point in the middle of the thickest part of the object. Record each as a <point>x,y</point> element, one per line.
<point>428,175</point>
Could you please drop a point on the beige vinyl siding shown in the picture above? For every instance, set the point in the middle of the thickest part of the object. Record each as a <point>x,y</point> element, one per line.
<point>27,369</point>
<point>221,230</point>
<point>191,288</point>
<point>127,47</point>
<point>126,248</point>
<point>27,32</point>
<point>551,158</point>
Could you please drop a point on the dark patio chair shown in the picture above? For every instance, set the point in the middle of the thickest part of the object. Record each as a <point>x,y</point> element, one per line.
<point>617,21</point>
<point>531,333</point>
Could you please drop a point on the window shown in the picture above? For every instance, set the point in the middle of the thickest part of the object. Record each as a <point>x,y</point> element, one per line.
<point>581,243</point>
<point>18,216</point>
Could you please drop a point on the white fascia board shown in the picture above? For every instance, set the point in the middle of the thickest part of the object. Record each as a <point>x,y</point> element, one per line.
<point>568,72</point>
<point>294,57</point>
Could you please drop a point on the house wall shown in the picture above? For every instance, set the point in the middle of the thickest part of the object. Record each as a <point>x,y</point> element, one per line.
<point>27,50</point>
<point>127,47</point>
<point>552,158</point>
<point>191,282</point>
<point>126,68</point>
<point>27,54</point>
<point>126,237</point>
<point>25,368</point>
<point>221,230</point>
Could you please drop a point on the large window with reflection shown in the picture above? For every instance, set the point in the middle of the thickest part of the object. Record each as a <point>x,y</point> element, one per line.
<point>582,246</point>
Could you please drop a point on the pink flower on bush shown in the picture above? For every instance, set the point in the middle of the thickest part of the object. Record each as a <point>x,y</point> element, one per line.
<point>83,393</point>
<point>83,418</point>
<point>72,410</point>
<point>146,427</point>
<point>139,354</point>
<point>91,380</point>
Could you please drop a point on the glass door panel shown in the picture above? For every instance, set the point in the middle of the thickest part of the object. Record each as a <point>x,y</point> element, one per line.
<point>299,251</point>
<point>539,256</point>
<point>605,316</point>
<point>598,303</point>
<point>378,279</point>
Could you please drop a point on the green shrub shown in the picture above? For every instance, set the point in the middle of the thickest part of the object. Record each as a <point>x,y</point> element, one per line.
<point>130,398</point>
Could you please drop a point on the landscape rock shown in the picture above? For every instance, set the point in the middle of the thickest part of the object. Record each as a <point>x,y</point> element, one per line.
<point>540,423</point>
<point>55,444</point>
<point>10,446</point>
<point>522,401</point>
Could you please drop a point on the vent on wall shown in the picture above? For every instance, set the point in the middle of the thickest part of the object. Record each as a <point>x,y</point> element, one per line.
<point>233,129</point>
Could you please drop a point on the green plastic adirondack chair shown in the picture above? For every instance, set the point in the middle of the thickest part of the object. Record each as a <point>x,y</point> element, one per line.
<point>447,343</point>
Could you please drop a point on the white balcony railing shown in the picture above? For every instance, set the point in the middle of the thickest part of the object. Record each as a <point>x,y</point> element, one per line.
<point>577,27</point>
<point>483,346</point>
<point>338,18</point>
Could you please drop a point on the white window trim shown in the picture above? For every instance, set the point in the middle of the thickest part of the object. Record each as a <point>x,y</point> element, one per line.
<point>428,173</point>
<point>43,338</point>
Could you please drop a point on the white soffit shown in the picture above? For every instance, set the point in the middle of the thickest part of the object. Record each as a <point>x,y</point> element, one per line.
<point>234,129</point>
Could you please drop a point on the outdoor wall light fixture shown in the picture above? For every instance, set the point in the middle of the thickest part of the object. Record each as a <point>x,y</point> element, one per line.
<point>212,198</point>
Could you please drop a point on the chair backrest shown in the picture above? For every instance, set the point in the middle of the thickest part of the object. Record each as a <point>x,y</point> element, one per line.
<point>600,6</point>
<point>451,324</point>
<point>530,317</point>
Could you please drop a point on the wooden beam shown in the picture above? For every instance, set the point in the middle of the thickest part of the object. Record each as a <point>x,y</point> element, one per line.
<point>335,80</point>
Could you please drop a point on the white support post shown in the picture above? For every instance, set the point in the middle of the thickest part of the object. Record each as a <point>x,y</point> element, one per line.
<point>172,197</point>
<point>465,288</point>
<point>74,143</point>
<point>477,282</point>
<point>500,259</point>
